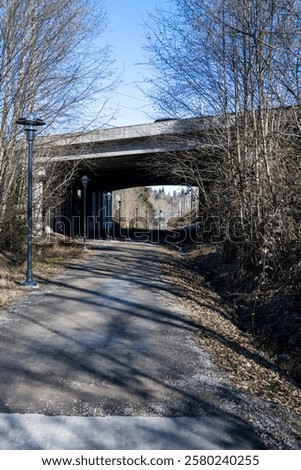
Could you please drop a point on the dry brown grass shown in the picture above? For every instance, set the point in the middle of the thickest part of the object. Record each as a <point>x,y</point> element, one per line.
<point>49,261</point>
<point>233,350</point>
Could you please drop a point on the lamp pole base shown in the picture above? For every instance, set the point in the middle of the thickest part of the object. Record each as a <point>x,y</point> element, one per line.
<point>29,283</point>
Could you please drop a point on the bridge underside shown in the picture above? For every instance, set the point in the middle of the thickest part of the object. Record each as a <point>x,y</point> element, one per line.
<point>105,175</point>
<point>127,157</point>
<point>121,158</point>
<point>127,171</point>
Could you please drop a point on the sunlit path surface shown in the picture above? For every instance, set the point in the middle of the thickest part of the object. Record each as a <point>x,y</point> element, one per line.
<point>105,348</point>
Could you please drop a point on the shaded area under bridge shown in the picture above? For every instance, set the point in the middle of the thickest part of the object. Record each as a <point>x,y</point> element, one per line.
<point>124,157</point>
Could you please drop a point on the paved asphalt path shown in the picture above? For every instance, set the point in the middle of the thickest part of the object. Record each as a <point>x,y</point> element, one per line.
<point>103,358</point>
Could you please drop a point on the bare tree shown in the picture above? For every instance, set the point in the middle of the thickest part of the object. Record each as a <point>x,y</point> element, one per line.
<point>239,61</point>
<point>52,63</point>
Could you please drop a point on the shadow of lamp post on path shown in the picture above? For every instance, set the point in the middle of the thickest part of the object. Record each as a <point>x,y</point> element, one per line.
<point>30,125</point>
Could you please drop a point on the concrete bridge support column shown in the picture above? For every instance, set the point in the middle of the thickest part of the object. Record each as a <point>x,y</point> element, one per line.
<point>98,211</point>
<point>107,222</point>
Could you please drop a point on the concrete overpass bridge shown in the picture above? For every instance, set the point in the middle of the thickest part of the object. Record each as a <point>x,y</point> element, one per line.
<point>119,158</point>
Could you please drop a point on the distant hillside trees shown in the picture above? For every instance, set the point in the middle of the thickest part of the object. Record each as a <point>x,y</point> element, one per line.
<point>140,207</point>
<point>239,60</point>
<point>51,65</point>
<point>134,206</point>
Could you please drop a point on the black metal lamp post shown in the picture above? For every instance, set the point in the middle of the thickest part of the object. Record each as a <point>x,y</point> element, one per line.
<point>30,127</point>
<point>108,214</point>
<point>136,217</point>
<point>146,219</point>
<point>119,212</point>
<point>85,180</point>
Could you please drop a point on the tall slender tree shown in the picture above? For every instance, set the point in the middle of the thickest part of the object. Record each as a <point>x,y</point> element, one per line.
<point>240,61</point>
<point>52,63</point>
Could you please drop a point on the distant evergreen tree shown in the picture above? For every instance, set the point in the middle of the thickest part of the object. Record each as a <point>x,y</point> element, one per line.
<point>144,198</point>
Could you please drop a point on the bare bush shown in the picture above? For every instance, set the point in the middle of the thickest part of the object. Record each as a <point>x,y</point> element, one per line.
<point>238,61</point>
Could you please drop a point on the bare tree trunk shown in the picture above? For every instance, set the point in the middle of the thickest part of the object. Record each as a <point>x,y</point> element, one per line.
<point>48,66</point>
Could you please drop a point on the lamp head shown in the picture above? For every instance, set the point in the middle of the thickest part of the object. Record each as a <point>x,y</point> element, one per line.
<point>85,180</point>
<point>31,122</point>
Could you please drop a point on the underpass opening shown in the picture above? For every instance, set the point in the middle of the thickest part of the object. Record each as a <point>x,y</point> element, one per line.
<point>121,159</point>
<point>135,212</point>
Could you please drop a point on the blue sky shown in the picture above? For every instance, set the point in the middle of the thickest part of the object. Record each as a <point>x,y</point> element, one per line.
<point>126,35</point>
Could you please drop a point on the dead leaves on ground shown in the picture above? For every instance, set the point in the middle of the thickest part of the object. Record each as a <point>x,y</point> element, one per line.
<point>233,350</point>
